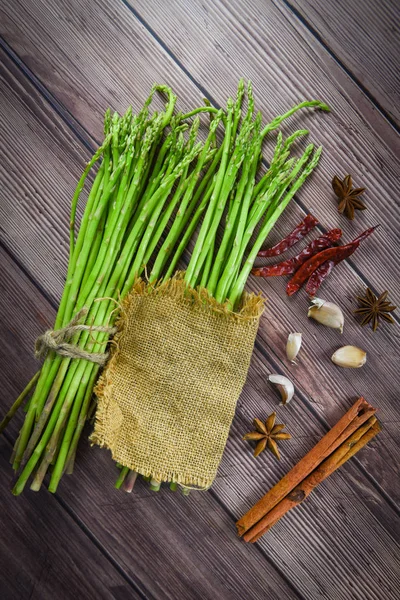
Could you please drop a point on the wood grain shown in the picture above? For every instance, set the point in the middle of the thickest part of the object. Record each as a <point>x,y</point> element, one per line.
<point>114,63</point>
<point>34,136</point>
<point>234,468</point>
<point>214,23</point>
<point>327,391</point>
<point>365,40</point>
<point>335,524</point>
<point>44,553</point>
<point>217,38</point>
<point>344,541</point>
<point>170,546</point>
<point>221,40</point>
<point>169,535</point>
<point>321,385</point>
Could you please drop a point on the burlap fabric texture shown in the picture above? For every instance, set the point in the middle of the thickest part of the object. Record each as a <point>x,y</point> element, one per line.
<point>167,396</point>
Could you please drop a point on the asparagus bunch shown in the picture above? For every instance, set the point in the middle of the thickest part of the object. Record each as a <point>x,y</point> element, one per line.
<point>238,212</point>
<point>250,207</point>
<point>154,184</point>
<point>147,168</point>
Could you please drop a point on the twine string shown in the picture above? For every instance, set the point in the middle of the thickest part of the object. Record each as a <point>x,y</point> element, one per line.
<point>58,340</point>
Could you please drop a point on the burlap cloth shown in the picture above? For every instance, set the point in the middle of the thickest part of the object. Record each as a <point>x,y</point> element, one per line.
<point>167,396</point>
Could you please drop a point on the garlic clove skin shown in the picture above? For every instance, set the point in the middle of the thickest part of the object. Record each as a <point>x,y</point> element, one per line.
<point>285,387</point>
<point>293,346</point>
<point>349,357</point>
<point>326,313</point>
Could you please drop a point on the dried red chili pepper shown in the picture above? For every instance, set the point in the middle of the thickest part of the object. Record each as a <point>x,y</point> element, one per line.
<point>319,276</point>
<point>287,267</point>
<point>337,254</point>
<point>298,233</point>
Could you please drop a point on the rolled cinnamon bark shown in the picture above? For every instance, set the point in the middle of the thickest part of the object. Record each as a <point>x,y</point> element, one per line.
<point>367,437</point>
<point>360,412</point>
<point>354,443</point>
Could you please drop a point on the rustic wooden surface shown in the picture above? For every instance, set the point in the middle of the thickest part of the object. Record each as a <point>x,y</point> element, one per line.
<point>62,64</point>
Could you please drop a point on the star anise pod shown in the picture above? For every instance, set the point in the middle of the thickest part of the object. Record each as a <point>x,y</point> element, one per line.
<point>267,435</point>
<point>348,196</point>
<point>374,308</point>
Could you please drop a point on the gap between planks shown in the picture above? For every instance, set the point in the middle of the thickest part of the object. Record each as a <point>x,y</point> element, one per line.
<point>63,114</point>
<point>209,96</point>
<point>225,507</point>
<point>220,25</point>
<point>76,127</point>
<point>276,362</point>
<point>341,64</point>
<point>75,486</point>
<point>306,24</point>
<point>260,549</point>
<point>216,498</point>
<point>64,506</point>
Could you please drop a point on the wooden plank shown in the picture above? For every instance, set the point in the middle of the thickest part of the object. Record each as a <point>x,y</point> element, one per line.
<point>33,136</point>
<point>219,42</point>
<point>294,547</point>
<point>324,548</point>
<point>44,553</point>
<point>114,64</point>
<point>27,195</point>
<point>212,43</point>
<point>43,548</point>
<point>323,386</point>
<point>336,541</point>
<point>248,489</point>
<point>328,389</point>
<point>296,570</point>
<point>172,547</point>
<point>365,39</point>
<point>177,547</point>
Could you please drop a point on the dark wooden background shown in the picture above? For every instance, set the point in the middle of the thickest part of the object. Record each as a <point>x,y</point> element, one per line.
<point>62,64</point>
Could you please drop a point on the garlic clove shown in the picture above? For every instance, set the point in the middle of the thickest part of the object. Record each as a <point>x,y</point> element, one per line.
<point>293,345</point>
<point>326,313</point>
<point>350,357</point>
<point>285,387</point>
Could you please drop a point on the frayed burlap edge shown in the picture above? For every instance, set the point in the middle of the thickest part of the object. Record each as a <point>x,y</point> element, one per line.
<point>176,288</point>
<point>251,309</point>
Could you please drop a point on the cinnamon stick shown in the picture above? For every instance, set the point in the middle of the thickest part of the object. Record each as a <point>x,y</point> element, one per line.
<point>360,412</point>
<point>367,437</point>
<point>354,443</point>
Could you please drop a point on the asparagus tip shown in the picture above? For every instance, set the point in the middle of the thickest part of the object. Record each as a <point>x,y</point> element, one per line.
<point>323,106</point>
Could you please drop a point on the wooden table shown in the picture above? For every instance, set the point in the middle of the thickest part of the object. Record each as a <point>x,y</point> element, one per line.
<point>63,64</point>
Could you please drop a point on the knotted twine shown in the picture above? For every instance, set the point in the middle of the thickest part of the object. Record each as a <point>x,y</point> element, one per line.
<point>167,396</point>
<point>57,340</point>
